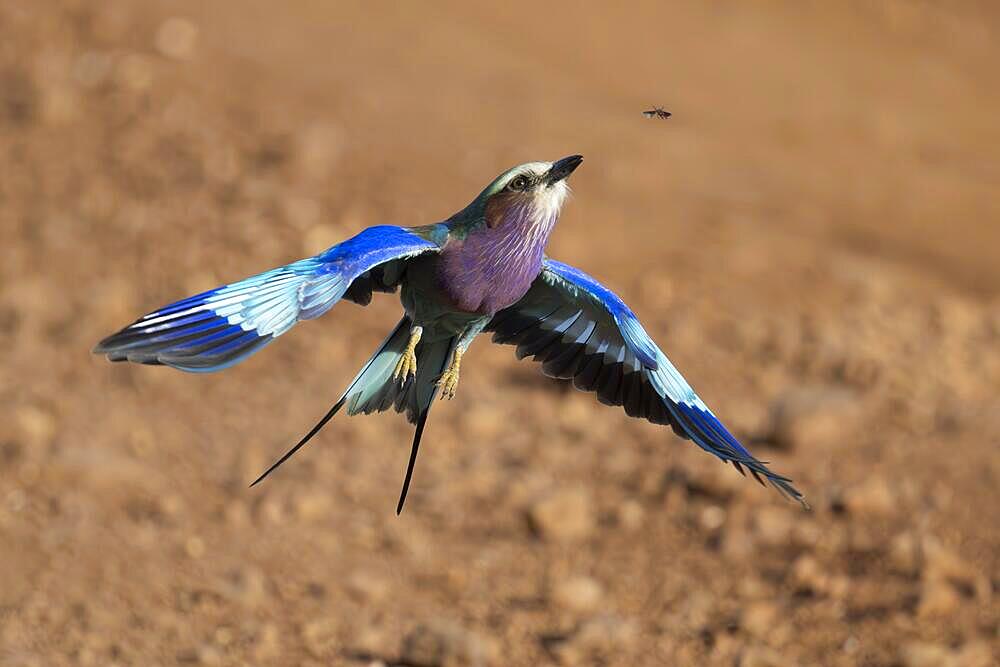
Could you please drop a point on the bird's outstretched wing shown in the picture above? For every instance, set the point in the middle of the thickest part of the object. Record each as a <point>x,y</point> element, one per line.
<point>216,329</point>
<point>581,330</point>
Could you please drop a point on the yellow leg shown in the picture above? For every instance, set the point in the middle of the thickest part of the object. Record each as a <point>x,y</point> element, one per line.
<point>407,364</point>
<point>448,382</point>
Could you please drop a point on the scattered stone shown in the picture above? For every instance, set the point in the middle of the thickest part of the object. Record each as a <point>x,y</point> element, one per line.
<point>752,587</point>
<point>224,635</point>
<point>320,637</point>
<point>947,579</point>
<point>209,655</point>
<point>446,644</point>
<point>943,565</point>
<point>608,631</point>
<point>927,654</point>
<point>368,587</point>
<point>16,500</point>
<point>268,642</point>
<point>905,553</point>
<point>424,648</point>
<point>938,599</point>
<point>815,418</point>
<point>712,518</point>
<point>873,497</point>
<point>369,640</point>
<point>194,547</point>
<point>273,510</point>
<point>809,575</point>
<point>759,619</point>
<point>176,38</point>
<point>37,425</point>
<point>924,654</point>
<point>248,586</point>
<point>697,610</point>
<point>563,516</point>
<point>581,594</point>
<point>597,640</point>
<point>807,572</point>
<point>631,515</point>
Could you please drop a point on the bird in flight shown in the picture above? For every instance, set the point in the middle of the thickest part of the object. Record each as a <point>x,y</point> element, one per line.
<point>483,270</point>
<point>657,112</point>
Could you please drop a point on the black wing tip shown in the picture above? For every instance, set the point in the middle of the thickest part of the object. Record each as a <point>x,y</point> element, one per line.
<point>786,489</point>
<point>116,353</point>
<point>765,476</point>
<point>111,343</point>
<point>108,345</point>
<point>192,360</point>
<point>792,494</point>
<point>708,432</point>
<point>780,483</point>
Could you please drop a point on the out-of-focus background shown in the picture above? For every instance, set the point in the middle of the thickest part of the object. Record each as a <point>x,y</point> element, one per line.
<point>813,238</point>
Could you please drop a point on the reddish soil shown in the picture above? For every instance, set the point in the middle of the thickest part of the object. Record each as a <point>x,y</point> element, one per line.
<point>813,238</point>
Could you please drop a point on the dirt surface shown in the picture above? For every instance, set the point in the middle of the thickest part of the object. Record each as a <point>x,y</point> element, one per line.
<point>813,238</point>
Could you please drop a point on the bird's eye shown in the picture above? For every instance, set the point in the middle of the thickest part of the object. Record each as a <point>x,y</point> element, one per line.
<point>518,184</point>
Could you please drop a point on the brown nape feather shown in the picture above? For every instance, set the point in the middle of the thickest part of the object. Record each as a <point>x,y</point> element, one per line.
<point>497,206</point>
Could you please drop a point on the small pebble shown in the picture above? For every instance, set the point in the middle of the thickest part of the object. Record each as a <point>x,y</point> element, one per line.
<point>579,594</point>
<point>563,516</point>
<point>176,38</point>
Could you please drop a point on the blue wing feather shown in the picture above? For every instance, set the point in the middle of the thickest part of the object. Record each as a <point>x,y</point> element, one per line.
<point>635,336</point>
<point>218,328</point>
<point>593,349</point>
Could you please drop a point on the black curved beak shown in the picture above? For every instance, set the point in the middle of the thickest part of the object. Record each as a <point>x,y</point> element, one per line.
<point>560,169</point>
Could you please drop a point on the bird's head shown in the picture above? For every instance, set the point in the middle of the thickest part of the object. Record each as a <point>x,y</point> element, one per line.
<point>532,192</point>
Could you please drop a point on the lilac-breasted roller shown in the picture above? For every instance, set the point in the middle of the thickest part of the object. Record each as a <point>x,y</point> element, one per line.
<point>483,269</point>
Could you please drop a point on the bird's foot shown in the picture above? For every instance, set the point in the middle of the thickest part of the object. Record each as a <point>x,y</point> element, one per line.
<point>448,382</point>
<point>407,364</point>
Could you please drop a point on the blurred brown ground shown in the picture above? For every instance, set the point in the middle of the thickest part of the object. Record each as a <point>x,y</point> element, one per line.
<point>813,238</point>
